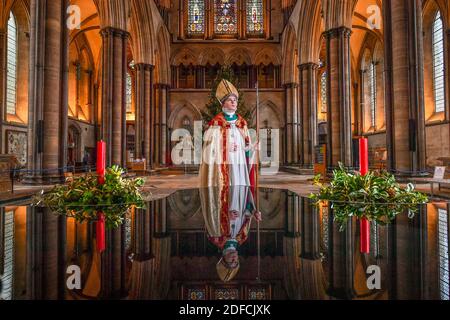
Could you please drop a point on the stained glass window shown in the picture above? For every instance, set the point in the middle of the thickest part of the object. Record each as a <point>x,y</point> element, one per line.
<point>129,92</point>
<point>196,17</point>
<point>225,16</point>
<point>11,66</point>
<point>373,93</point>
<point>255,17</point>
<point>323,92</point>
<point>438,63</point>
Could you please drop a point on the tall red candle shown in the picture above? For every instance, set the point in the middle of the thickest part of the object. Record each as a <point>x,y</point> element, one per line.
<point>364,225</point>
<point>101,161</point>
<point>101,167</point>
<point>363,156</point>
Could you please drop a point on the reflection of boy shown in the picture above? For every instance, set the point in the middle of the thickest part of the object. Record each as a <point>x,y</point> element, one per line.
<point>240,212</point>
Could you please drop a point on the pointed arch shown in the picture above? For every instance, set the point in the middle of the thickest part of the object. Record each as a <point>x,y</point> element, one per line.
<point>290,55</point>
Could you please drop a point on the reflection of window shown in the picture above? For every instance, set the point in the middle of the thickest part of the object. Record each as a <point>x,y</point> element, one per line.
<point>438,63</point>
<point>225,17</point>
<point>255,17</point>
<point>443,255</point>
<point>373,93</point>
<point>129,93</point>
<point>323,92</point>
<point>11,66</point>
<point>324,229</point>
<point>7,278</point>
<point>374,239</point>
<point>196,17</point>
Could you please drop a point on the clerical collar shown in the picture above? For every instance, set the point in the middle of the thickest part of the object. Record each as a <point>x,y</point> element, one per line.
<point>231,244</point>
<point>230,116</point>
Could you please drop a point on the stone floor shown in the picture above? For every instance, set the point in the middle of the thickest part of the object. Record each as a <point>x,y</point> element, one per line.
<point>162,184</point>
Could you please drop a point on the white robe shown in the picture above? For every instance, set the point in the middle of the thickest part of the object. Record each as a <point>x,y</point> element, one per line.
<point>239,175</point>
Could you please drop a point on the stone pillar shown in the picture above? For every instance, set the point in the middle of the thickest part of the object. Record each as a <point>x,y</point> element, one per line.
<point>160,124</point>
<point>114,50</point>
<point>339,114</point>
<point>291,128</point>
<point>48,102</point>
<point>308,112</point>
<point>310,230</point>
<point>46,255</point>
<point>405,120</point>
<point>143,105</point>
<point>2,84</point>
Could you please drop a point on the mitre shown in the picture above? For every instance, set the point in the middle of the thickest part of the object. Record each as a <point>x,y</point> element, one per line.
<point>226,89</point>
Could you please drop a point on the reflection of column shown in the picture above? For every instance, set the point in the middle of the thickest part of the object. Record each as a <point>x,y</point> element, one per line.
<point>408,256</point>
<point>48,91</point>
<point>161,218</point>
<point>143,235</point>
<point>405,120</point>
<point>308,111</point>
<point>310,230</point>
<point>339,97</point>
<point>113,98</point>
<point>113,266</point>
<point>46,254</point>
<point>143,104</point>
<point>291,140</point>
<point>341,252</point>
<point>292,228</point>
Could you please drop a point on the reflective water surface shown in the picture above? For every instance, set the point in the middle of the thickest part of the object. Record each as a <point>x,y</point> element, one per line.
<point>209,244</point>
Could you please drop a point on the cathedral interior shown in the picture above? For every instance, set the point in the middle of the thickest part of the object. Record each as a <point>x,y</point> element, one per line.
<point>133,72</point>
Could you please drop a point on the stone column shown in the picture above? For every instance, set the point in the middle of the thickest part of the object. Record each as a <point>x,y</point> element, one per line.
<point>48,105</point>
<point>339,114</point>
<point>291,128</point>
<point>405,120</point>
<point>308,112</point>
<point>2,85</point>
<point>143,105</point>
<point>114,50</point>
<point>46,255</point>
<point>160,124</point>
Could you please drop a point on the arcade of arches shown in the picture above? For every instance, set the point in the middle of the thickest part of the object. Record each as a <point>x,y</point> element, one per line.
<point>134,71</point>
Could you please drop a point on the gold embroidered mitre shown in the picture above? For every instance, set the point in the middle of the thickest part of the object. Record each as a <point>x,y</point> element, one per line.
<point>226,89</point>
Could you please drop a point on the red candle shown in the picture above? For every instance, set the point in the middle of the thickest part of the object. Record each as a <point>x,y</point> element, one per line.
<point>101,167</point>
<point>101,161</point>
<point>100,232</point>
<point>364,225</point>
<point>363,156</point>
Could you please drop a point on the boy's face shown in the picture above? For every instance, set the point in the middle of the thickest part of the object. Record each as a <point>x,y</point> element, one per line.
<point>230,105</point>
<point>233,215</point>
